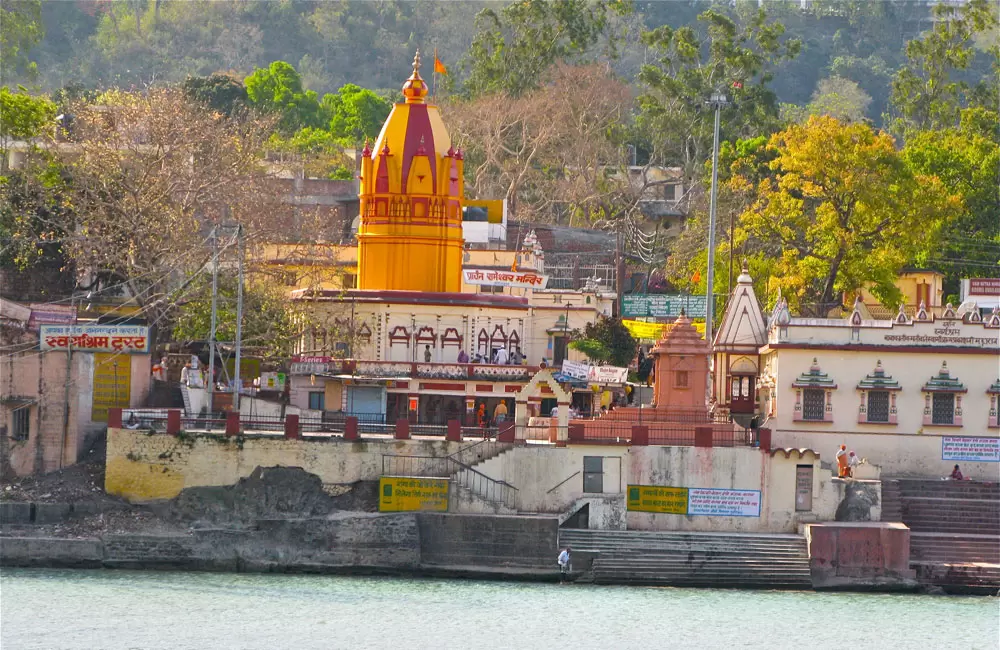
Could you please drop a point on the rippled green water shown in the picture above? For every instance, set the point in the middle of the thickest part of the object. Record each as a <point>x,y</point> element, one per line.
<point>125,609</point>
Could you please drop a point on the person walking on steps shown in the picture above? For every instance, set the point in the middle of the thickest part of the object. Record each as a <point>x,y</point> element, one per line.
<point>564,564</point>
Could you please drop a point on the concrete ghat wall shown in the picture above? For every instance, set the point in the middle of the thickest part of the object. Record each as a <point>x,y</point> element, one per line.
<point>143,467</point>
<point>540,476</point>
<point>896,454</point>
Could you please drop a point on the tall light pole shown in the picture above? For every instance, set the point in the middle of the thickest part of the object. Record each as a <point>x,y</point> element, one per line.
<point>716,101</point>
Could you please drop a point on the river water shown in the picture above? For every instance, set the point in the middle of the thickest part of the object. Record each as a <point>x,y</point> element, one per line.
<point>55,609</point>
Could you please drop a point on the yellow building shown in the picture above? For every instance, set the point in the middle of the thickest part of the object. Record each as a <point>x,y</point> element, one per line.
<point>412,322</point>
<point>410,238</point>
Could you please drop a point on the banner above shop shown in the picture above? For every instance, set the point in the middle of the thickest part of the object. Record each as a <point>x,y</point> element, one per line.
<point>595,374</point>
<point>130,339</point>
<point>516,279</point>
<point>667,305</point>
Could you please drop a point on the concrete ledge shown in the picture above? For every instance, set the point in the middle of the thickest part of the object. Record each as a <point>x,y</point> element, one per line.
<point>51,552</point>
<point>15,512</point>
<point>51,513</point>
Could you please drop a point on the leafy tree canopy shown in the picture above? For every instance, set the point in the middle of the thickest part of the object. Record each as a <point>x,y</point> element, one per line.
<point>357,114</point>
<point>514,48</point>
<point>20,29</point>
<point>278,89</point>
<point>841,210</point>
<point>23,116</point>
<point>606,341</point>
<point>219,92</point>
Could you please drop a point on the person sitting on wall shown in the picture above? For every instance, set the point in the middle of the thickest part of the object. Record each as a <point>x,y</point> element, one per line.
<point>956,474</point>
<point>842,467</point>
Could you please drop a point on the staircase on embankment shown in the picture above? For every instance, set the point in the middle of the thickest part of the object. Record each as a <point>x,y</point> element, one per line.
<point>954,530</point>
<point>721,560</point>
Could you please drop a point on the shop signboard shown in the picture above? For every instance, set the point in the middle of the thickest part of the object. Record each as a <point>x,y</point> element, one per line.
<point>124,339</point>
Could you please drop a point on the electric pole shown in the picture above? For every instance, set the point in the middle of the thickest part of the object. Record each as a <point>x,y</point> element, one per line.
<point>211,333</point>
<point>717,101</point>
<point>241,244</point>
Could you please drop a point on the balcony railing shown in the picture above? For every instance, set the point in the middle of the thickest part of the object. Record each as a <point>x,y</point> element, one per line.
<point>406,369</point>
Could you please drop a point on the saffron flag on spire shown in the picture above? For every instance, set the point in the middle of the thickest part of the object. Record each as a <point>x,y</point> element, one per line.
<point>438,66</point>
<point>696,278</point>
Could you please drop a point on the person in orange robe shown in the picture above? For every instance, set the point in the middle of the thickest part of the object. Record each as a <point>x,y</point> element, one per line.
<point>842,462</point>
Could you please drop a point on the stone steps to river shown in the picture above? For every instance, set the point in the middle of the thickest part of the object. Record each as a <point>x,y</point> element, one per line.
<point>724,560</point>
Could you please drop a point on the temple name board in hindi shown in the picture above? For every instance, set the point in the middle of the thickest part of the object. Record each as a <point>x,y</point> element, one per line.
<point>515,279</point>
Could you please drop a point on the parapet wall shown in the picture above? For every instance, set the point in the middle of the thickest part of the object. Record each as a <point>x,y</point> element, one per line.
<point>148,467</point>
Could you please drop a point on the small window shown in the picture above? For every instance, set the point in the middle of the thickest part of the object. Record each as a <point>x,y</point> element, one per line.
<point>486,288</point>
<point>813,404</point>
<point>350,281</point>
<point>943,408</point>
<point>593,474</point>
<point>21,423</point>
<point>681,379</point>
<point>878,406</point>
<point>317,400</point>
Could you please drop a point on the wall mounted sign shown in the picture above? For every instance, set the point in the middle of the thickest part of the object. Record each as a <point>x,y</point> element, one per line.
<point>516,279</point>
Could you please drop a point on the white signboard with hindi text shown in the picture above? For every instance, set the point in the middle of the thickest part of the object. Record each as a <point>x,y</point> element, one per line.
<point>723,503</point>
<point>516,279</point>
<point>968,448</point>
<point>576,370</point>
<point>128,339</point>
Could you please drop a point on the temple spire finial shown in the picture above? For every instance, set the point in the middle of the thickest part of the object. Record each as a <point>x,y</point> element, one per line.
<point>415,88</point>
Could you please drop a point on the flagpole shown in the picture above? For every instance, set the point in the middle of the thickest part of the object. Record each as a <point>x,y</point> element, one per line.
<point>434,75</point>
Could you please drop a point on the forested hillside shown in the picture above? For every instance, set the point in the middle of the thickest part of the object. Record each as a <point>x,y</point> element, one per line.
<point>860,137</point>
<point>102,43</point>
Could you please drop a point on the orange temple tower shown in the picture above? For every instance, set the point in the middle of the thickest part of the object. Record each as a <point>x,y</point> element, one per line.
<point>410,236</point>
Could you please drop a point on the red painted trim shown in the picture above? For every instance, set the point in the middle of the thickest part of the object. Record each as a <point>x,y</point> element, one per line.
<point>400,384</point>
<point>484,388</point>
<point>513,389</point>
<point>439,386</point>
<point>497,301</point>
<point>853,347</point>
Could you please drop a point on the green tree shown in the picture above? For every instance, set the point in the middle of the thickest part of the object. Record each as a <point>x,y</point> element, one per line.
<point>20,29</point>
<point>357,114</point>
<point>736,57</point>
<point>967,160</point>
<point>929,91</point>
<point>35,213</point>
<point>606,341</point>
<point>513,50</point>
<point>22,117</point>
<point>843,211</point>
<point>278,89</point>
<point>219,92</point>
<point>319,154</point>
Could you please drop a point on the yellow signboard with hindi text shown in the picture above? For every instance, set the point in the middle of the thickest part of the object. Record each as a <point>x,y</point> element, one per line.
<point>402,493</point>
<point>650,498</point>
<point>112,383</point>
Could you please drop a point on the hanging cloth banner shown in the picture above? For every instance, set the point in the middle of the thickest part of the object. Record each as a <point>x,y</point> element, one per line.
<point>641,330</point>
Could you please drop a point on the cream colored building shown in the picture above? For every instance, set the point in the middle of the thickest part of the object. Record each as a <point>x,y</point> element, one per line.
<point>912,395</point>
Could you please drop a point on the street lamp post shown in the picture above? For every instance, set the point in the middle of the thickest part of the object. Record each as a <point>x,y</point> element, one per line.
<point>716,101</point>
